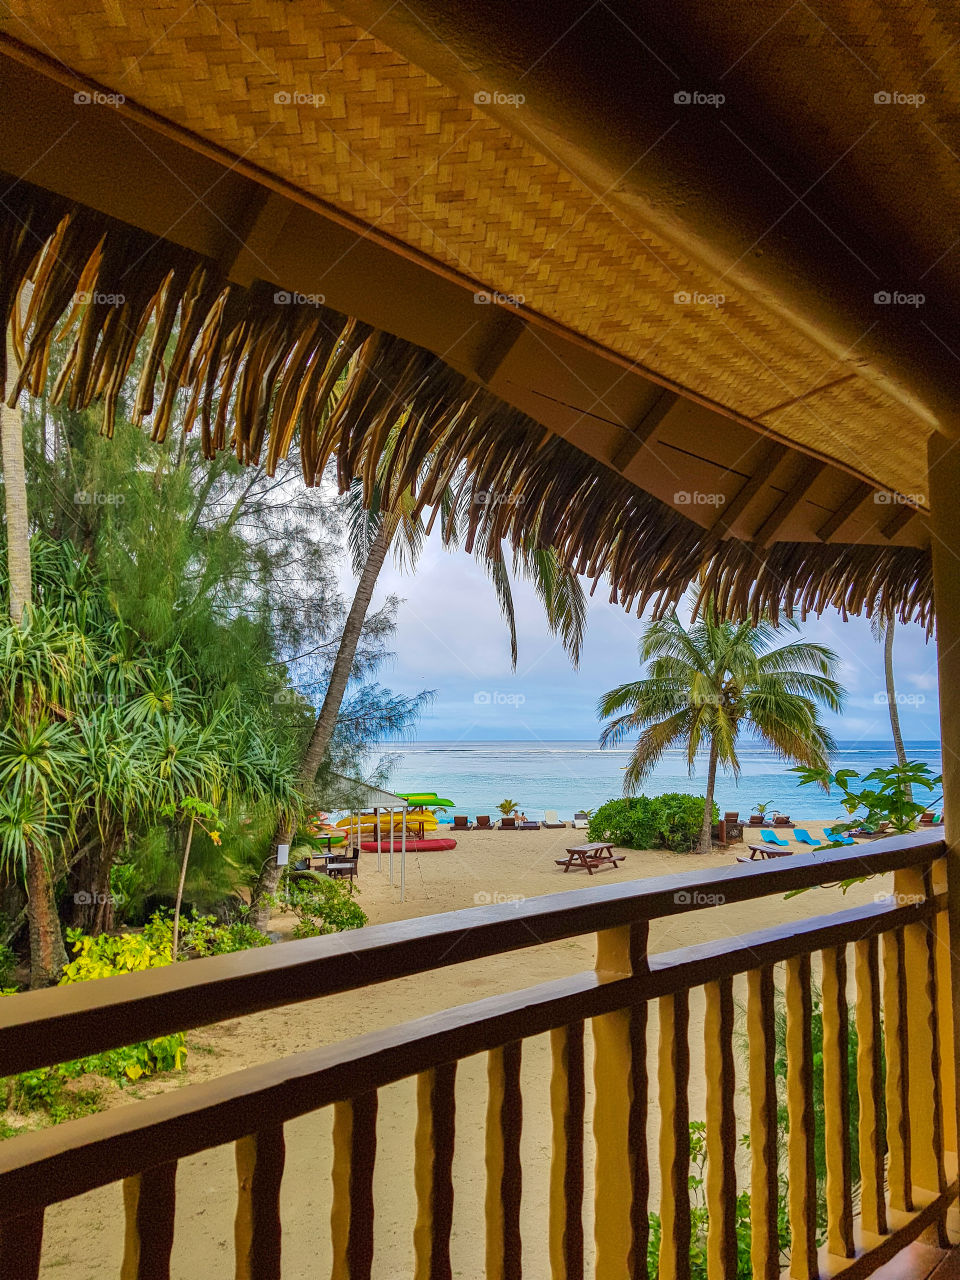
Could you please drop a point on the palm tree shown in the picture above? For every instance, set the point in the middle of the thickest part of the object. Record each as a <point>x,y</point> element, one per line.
<point>14,491</point>
<point>706,683</point>
<point>883,624</point>
<point>372,532</point>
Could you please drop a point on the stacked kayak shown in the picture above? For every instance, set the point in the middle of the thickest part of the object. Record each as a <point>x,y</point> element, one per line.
<point>413,846</point>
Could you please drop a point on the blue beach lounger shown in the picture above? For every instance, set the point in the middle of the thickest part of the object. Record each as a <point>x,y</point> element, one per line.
<point>805,837</point>
<point>771,837</point>
<point>837,838</point>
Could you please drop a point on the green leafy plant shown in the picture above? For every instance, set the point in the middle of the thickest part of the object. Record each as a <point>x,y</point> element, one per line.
<point>884,795</point>
<point>761,809</point>
<point>321,905</point>
<point>700,1216</point>
<point>203,935</point>
<point>671,821</point>
<point>507,807</point>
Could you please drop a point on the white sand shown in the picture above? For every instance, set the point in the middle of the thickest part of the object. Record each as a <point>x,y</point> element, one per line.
<point>84,1236</point>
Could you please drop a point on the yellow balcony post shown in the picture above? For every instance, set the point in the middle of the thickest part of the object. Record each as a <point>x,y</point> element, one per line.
<point>619,1119</point>
<point>567,1103</point>
<point>943,468</point>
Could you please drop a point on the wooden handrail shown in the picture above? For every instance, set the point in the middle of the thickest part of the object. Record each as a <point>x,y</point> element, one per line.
<point>46,1027</point>
<point>45,1166</point>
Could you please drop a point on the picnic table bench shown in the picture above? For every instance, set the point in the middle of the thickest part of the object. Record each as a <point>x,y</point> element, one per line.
<point>591,856</point>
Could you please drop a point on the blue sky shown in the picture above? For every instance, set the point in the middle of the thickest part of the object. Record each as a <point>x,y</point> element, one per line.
<point>451,638</point>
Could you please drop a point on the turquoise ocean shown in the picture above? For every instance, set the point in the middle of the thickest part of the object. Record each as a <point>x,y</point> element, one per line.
<point>579,775</point>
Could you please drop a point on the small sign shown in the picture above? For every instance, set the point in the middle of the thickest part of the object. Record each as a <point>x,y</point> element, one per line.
<point>283,855</point>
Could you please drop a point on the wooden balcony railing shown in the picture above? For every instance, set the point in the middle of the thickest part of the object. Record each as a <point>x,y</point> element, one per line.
<point>905,1069</point>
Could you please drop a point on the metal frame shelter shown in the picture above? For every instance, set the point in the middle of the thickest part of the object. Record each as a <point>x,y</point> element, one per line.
<point>356,796</point>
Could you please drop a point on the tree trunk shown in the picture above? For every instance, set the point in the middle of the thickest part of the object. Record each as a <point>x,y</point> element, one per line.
<point>15,496</point>
<point>706,841</point>
<point>326,722</point>
<point>892,705</point>
<point>183,878</point>
<point>47,952</point>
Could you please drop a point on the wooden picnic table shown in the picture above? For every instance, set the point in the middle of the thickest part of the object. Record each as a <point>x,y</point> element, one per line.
<point>591,856</point>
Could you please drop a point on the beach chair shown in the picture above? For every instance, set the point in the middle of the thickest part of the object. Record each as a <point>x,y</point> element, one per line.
<point>347,868</point>
<point>804,837</point>
<point>771,837</point>
<point>837,837</point>
<point>508,824</point>
<point>484,823</point>
<point>551,821</point>
<point>926,820</point>
<point>528,826</point>
<point>461,823</point>
<point>581,821</point>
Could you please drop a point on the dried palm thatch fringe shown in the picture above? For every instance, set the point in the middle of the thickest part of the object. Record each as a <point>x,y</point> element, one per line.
<point>260,377</point>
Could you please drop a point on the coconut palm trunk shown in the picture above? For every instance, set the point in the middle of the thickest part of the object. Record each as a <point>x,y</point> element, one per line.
<point>15,495</point>
<point>47,952</point>
<point>326,722</point>
<point>706,839</point>
<point>892,692</point>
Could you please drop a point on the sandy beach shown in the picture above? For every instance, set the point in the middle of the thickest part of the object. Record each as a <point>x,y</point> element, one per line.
<point>84,1236</point>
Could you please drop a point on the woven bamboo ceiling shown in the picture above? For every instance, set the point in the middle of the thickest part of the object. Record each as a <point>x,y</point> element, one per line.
<point>688,212</point>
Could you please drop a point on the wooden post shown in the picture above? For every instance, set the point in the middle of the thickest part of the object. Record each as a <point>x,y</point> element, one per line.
<point>943,465</point>
<point>619,1042</point>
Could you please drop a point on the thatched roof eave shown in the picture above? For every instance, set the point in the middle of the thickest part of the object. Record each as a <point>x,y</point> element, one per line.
<point>264,374</point>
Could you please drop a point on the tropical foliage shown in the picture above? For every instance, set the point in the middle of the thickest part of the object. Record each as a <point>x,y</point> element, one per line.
<point>671,821</point>
<point>883,795</point>
<point>704,685</point>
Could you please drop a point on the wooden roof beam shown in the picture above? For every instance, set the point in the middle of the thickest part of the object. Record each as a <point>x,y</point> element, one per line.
<point>767,458</point>
<point>854,500</point>
<point>810,472</point>
<point>644,429</point>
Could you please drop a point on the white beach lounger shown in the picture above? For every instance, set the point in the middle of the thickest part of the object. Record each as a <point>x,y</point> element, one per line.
<point>580,821</point>
<point>550,819</point>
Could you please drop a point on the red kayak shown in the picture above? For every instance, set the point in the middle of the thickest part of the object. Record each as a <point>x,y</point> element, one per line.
<point>413,846</point>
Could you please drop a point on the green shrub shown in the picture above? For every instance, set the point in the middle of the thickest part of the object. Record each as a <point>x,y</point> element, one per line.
<point>202,935</point>
<point>672,821</point>
<point>8,965</point>
<point>700,1217</point>
<point>321,905</point>
<point>48,1088</point>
